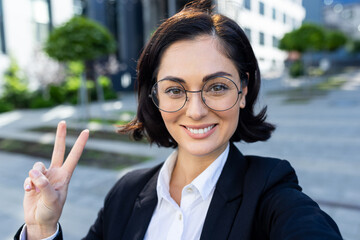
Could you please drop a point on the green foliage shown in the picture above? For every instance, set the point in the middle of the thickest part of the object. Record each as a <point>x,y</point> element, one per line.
<point>5,106</point>
<point>309,37</point>
<point>15,87</point>
<point>296,69</point>
<point>109,92</point>
<point>79,39</point>
<point>334,40</point>
<point>40,102</point>
<point>354,46</point>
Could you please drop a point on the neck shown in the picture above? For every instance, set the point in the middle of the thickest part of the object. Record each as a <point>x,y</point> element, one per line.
<point>188,166</point>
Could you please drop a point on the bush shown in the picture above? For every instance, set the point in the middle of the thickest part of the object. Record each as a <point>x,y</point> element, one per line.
<point>296,69</point>
<point>5,106</point>
<point>109,92</point>
<point>57,94</point>
<point>40,102</point>
<point>15,87</point>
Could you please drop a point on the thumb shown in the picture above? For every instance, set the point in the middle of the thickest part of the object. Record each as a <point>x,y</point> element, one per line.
<point>43,185</point>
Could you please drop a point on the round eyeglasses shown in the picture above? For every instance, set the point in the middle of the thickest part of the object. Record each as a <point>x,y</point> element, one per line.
<point>218,94</point>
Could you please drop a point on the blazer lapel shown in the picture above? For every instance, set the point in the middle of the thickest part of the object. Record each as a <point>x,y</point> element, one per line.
<point>227,197</point>
<point>143,209</point>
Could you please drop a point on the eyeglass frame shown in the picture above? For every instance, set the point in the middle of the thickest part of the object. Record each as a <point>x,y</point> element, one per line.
<point>197,91</point>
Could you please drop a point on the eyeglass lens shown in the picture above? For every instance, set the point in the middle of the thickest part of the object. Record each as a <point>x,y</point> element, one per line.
<point>219,94</point>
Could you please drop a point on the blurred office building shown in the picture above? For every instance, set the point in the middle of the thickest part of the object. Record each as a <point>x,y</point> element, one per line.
<point>25,24</point>
<point>265,22</point>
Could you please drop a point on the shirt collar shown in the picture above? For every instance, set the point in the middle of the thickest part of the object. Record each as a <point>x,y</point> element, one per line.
<point>204,183</point>
<point>207,180</point>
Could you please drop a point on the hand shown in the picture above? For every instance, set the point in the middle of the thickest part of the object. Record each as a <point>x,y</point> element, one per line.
<point>46,189</point>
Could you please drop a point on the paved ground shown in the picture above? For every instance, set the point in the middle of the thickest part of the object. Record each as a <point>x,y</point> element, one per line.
<point>319,138</point>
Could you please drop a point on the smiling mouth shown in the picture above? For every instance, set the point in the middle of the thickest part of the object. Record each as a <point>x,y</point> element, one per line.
<point>200,130</point>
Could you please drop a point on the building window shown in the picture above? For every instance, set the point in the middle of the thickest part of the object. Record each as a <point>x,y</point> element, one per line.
<point>274,13</point>
<point>284,18</point>
<point>248,33</point>
<point>2,31</point>
<point>261,38</point>
<point>41,14</point>
<point>247,4</point>
<point>275,42</point>
<point>261,8</point>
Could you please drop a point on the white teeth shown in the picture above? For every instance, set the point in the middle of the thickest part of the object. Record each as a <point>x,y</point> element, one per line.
<point>200,130</point>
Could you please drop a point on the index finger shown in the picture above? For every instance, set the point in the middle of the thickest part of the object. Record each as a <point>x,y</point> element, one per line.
<point>76,151</point>
<point>59,146</point>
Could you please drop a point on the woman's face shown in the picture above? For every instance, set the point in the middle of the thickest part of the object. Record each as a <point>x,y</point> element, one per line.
<point>198,130</point>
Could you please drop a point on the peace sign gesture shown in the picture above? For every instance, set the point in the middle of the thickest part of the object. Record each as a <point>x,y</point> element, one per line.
<point>46,189</point>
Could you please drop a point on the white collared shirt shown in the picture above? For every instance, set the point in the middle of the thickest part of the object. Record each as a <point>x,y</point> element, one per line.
<point>185,222</point>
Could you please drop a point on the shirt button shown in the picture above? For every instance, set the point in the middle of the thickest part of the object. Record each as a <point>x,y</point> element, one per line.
<point>189,190</point>
<point>180,216</point>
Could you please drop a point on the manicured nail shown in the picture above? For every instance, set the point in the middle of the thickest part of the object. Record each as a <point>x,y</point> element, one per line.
<point>35,173</point>
<point>62,121</point>
<point>28,187</point>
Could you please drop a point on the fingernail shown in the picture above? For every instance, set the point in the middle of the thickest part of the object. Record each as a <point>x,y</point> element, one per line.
<point>27,187</point>
<point>62,121</point>
<point>35,173</point>
<point>37,190</point>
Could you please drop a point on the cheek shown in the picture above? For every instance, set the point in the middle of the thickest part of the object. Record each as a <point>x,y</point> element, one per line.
<point>168,118</point>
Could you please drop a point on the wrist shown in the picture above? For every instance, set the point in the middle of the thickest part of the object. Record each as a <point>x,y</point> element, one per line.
<point>40,231</point>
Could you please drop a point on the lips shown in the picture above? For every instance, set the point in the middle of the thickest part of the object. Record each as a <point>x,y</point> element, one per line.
<point>200,130</point>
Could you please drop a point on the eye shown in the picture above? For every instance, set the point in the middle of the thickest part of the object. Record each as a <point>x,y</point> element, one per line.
<point>174,92</point>
<point>217,88</point>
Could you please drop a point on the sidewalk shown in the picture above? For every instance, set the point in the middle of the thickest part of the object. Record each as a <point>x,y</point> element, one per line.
<point>319,138</point>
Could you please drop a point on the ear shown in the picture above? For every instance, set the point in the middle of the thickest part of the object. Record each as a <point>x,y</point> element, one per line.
<point>242,100</point>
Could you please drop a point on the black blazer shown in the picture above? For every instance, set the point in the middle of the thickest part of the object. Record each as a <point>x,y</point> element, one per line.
<point>254,198</point>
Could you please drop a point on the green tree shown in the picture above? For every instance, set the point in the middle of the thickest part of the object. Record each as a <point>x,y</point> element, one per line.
<point>334,40</point>
<point>309,37</point>
<point>80,39</point>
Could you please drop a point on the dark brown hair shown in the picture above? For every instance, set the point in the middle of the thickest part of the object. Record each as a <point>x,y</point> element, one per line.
<point>193,21</point>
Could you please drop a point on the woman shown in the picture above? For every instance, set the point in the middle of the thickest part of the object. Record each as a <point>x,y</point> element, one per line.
<point>198,81</point>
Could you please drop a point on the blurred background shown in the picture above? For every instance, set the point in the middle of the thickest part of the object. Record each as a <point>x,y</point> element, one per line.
<point>75,60</point>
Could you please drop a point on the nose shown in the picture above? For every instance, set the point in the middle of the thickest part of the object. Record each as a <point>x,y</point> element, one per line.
<point>196,108</point>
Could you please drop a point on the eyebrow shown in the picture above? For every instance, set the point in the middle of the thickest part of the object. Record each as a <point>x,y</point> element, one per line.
<point>206,78</point>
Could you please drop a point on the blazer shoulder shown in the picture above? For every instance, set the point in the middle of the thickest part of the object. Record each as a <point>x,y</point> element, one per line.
<point>270,171</point>
<point>133,182</point>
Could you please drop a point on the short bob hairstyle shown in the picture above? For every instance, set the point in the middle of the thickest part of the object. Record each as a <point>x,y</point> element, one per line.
<point>197,19</point>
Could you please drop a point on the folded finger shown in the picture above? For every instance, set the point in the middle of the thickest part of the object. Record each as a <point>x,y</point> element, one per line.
<point>28,186</point>
<point>40,167</point>
<point>59,146</point>
<point>76,152</point>
<point>42,184</point>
